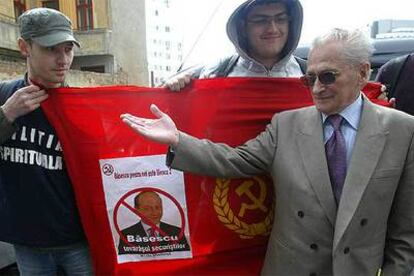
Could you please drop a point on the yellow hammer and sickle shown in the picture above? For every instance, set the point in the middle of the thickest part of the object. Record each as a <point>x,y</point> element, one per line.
<point>257,203</point>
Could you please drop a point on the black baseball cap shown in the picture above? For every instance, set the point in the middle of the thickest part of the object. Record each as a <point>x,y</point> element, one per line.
<point>47,27</point>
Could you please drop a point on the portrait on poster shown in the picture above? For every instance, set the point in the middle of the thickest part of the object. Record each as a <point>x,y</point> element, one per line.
<point>147,209</point>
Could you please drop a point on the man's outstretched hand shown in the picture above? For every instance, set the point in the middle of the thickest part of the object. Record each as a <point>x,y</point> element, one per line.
<point>161,130</point>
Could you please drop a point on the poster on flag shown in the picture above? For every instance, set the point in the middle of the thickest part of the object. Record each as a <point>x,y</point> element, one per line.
<point>229,221</point>
<point>146,208</point>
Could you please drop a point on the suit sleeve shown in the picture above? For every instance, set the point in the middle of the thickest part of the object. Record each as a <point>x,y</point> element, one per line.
<point>220,160</point>
<point>399,246</point>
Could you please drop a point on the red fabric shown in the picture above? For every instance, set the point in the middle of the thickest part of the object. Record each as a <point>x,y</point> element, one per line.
<point>228,110</point>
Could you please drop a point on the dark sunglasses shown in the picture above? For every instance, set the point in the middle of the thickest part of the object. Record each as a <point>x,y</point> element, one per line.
<point>325,77</point>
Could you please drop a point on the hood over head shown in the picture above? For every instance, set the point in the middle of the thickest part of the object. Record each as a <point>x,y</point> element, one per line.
<point>236,20</point>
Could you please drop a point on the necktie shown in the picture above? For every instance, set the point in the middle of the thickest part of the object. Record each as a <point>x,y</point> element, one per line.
<point>152,232</point>
<point>336,156</point>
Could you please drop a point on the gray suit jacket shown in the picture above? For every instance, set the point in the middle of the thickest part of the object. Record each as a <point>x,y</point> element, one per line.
<point>373,226</point>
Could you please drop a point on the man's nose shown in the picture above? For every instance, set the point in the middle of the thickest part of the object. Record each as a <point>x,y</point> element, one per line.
<point>272,25</point>
<point>63,58</point>
<point>317,87</point>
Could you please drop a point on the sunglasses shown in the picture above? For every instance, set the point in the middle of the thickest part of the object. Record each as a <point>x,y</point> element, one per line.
<point>325,77</point>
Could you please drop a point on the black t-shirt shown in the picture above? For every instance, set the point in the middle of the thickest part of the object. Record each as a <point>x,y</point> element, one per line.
<point>37,203</point>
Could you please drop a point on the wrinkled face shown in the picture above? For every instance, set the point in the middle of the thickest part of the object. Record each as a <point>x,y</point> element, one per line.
<point>349,80</point>
<point>47,65</point>
<point>267,28</point>
<point>150,205</point>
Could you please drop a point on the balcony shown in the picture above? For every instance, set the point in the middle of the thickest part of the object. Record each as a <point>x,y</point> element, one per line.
<point>9,33</point>
<point>94,42</point>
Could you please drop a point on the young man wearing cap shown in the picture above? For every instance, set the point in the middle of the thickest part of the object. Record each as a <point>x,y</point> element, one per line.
<point>37,206</point>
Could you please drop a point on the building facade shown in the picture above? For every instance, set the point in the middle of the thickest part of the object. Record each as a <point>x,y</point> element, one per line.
<point>164,40</point>
<point>112,34</point>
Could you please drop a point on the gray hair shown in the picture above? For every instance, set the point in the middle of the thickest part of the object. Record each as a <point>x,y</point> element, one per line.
<point>356,46</point>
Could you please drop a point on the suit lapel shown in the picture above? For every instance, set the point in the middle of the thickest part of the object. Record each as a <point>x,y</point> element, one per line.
<point>368,147</point>
<point>311,148</point>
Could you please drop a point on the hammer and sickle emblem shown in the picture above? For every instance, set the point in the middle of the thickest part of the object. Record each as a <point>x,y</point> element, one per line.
<point>256,202</point>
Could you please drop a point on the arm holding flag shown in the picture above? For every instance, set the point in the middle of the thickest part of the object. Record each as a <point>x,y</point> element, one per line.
<point>203,156</point>
<point>22,102</point>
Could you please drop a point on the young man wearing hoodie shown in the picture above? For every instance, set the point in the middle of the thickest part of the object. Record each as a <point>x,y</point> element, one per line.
<point>265,33</point>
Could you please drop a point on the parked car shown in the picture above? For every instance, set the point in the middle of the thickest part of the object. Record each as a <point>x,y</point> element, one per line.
<point>384,50</point>
<point>7,260</point>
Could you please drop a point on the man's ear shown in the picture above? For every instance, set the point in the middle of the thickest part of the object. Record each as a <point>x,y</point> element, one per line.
<point>24,47</point>
<point>364,73</point>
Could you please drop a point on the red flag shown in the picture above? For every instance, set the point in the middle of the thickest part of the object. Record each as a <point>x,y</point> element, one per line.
<point>228,220</point>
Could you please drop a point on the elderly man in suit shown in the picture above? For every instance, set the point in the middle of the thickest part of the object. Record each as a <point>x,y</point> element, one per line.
<point>343,170</point>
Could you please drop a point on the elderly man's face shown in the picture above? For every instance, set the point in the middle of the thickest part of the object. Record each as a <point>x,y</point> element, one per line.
<point>267,29</point>
<point>150,205</point>
<point>349,80</point>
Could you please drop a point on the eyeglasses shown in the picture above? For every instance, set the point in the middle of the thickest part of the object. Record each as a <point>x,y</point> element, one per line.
<point>325,77</point>
<point>264,21</point>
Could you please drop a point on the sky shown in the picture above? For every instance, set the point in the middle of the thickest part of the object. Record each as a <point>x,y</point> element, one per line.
<point>194,16</point>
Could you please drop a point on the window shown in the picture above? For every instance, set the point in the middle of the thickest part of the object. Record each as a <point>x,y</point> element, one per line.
<point>19,7</point>
<point>167,29</point>
<point>84,11</point>
<point>51,4</point>
<point>96,69</point>
<point>156,12</point>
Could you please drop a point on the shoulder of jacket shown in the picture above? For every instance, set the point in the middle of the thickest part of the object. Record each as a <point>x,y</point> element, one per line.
<point>10,84</point>
<point>224,66</point>
<point>294,115</point>
<point>395,62</point>
<point>303,64</point>
<point>7,88</point>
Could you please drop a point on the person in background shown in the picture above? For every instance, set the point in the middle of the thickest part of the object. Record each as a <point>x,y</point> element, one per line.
<point>397,75</point>
<point>265,33</point>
